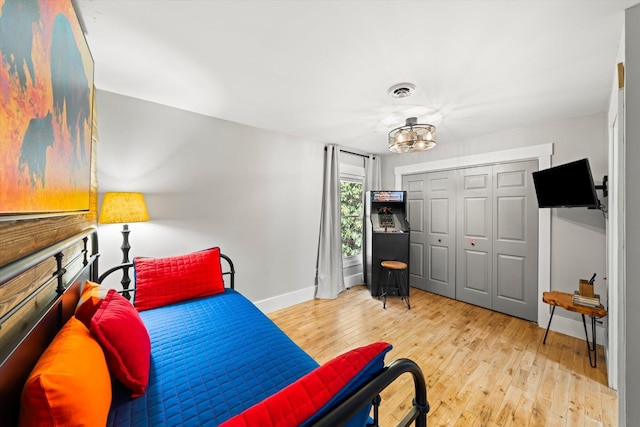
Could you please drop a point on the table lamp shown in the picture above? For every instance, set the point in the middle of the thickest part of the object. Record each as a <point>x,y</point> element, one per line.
<point>123,208</point>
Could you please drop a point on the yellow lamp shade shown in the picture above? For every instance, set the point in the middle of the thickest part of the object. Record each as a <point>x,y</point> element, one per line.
<point>120,208</point>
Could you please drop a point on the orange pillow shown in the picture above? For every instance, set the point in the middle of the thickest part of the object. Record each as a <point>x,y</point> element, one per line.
<point>70,384</point>
<point>90,300</point>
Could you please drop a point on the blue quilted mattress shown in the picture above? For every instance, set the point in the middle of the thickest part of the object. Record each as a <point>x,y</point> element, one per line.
<point>211,358</point>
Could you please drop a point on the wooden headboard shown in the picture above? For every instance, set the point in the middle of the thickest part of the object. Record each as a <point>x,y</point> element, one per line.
<point>29,340</point>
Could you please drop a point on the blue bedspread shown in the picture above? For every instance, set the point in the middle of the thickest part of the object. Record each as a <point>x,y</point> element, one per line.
<point>211,358</point>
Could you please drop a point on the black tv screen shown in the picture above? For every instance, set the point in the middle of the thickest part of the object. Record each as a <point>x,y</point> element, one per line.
<point>566,186</point>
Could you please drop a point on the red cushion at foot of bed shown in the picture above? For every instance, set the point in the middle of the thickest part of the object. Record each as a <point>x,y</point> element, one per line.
<point>316,393</point>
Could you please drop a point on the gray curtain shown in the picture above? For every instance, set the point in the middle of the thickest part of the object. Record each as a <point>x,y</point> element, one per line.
<point>372,182</point>
<point>330,281</point>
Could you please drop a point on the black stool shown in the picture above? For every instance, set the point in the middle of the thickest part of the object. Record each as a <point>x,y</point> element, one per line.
<point>397,268</point>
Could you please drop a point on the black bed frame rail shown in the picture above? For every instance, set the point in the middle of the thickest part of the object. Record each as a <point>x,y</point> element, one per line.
<point>230,271</point>
<point>18,363</point>
<point>370,392</point>
<point>14,269</point>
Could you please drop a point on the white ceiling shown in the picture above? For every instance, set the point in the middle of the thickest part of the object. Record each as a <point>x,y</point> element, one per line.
<point>320,70</point>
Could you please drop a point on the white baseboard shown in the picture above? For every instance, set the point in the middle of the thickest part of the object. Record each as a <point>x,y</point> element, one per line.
<point>573,328</point>
<point>607,357</point>
<point>285,300</point>
<point>353,280</point>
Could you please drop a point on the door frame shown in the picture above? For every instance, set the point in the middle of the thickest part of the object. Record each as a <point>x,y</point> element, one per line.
<point>542,153</point>
<point>616,252</point>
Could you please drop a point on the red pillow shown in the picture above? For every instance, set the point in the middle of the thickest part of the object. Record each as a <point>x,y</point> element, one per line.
<point>314,394</point>
<point>162,281</point>
<point>125,341</point>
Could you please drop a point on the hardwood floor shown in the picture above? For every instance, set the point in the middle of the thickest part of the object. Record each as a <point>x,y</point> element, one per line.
<point>482,368</point>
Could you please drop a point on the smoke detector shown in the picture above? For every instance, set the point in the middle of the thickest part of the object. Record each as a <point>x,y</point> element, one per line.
<point>402,90</point>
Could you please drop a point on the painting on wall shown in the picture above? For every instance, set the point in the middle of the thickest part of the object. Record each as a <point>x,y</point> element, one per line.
<point>46,98</point>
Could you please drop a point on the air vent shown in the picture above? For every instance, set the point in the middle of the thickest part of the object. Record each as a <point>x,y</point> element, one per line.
<point>401,90</point>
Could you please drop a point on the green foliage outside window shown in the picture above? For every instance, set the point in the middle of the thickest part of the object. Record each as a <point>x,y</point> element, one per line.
<point>351,217</point>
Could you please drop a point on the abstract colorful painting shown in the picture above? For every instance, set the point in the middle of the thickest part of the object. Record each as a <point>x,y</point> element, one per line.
<point>46,98</point>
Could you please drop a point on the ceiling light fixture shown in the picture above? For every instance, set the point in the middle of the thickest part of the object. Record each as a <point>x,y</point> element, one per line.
<point>412,137</point>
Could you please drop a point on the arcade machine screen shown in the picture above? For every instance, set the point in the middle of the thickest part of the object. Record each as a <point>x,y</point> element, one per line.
<point>388,208</point>
<point>385,217</point>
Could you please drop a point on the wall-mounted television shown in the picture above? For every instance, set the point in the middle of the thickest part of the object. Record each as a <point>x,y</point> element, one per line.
<point>566,186</point>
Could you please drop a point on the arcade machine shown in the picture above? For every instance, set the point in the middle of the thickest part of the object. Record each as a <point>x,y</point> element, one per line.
<point>387,211</point>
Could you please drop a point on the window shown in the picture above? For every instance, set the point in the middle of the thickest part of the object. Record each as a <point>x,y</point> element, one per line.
<point>351,216</point>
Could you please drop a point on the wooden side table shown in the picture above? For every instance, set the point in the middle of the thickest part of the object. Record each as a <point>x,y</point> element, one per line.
<point>565,300</point>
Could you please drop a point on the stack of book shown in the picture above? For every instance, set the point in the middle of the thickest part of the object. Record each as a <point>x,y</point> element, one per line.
<point>593,301</point>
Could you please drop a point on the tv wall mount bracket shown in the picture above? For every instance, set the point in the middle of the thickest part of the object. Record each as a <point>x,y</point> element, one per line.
<point>604,186</point>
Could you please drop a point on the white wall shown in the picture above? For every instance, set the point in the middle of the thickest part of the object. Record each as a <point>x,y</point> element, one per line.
<point>578,241</point>
<point>209,182</point>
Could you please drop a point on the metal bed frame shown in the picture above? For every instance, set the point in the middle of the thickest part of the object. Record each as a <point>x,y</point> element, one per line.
<point>15,368</point>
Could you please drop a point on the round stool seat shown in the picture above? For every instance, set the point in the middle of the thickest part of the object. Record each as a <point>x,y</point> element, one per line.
<point>394,265</point>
